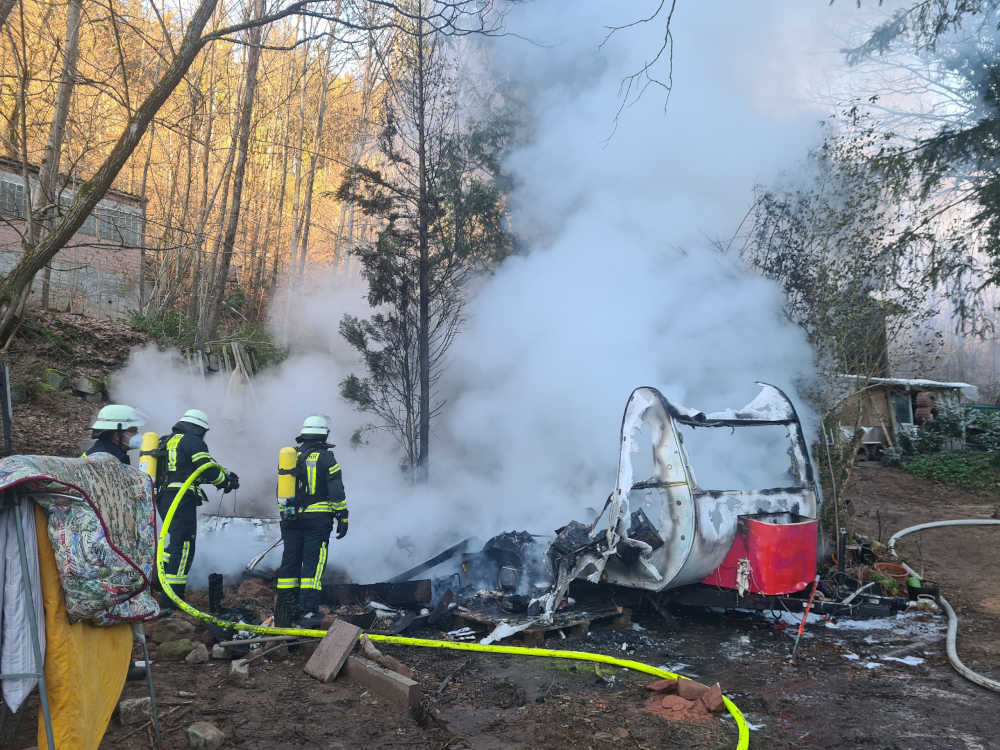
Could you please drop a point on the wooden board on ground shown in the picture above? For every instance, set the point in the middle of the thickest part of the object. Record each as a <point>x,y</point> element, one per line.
<point>333,650</point>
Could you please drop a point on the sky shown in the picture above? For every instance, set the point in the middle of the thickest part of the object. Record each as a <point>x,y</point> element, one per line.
<point>621,284</point>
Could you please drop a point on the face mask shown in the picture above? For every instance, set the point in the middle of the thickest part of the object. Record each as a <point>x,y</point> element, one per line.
<point>135,442</point>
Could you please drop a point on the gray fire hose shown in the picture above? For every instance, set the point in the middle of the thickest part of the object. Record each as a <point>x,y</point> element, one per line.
<point>963,670</point>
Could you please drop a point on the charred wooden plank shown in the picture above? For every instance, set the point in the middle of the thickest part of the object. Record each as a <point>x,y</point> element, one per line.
<point>401,594</point>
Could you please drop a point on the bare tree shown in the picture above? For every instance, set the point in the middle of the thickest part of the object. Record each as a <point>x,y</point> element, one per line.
<point>218,287</point>
<point>46,202</point>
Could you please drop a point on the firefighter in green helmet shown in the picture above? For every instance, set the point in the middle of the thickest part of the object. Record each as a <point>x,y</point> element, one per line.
<point>114,431</point>
<point>307,521</point>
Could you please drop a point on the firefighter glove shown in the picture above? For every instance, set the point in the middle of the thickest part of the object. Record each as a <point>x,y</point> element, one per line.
<point>232,482</point>
<point>341,527</point>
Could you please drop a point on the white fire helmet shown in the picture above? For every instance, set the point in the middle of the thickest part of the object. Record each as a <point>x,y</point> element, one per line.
<point>196,417</point>
<point>316,425</point>
<point>117,417</point>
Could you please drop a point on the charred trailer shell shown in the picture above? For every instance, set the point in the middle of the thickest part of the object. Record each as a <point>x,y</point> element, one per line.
<point>665,531</point>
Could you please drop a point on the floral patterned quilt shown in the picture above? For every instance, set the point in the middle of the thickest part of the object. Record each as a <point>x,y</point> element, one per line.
<point>102,525</point>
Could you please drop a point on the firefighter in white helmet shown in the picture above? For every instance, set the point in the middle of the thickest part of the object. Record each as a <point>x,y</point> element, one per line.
<point>183,452</point>
<point>114,431</point>
<point>306,523</point>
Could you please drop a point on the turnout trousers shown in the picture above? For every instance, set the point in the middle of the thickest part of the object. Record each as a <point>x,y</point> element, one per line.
<point>179,552</point>
<point>300,577</point>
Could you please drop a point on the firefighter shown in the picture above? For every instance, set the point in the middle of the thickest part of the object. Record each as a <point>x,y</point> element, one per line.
<point>114,431</point>
<point>183,452</point>
<point>306,523</point>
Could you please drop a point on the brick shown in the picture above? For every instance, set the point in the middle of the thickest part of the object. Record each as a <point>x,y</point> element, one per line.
<point>675,708</point>
<point>332,651</point>
<point>690,690</point>
<point>675,703</point>
<point>712,699</point>
<point>663,686</point>
<point>385,683</point>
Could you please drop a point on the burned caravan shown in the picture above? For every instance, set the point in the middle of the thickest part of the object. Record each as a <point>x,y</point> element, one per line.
<point>665,531</point>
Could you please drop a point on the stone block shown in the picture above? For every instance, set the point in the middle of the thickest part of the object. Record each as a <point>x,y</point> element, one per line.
<point>332,651</point>
<point>198,655</point>
<point>171,629</point>
<point>220,652</point>
<point>239,672</point>
<point>18,392</point>
<point>134,711</point>
<point>203,735</point>
<point>87,385</point>
<point>54,378</point>
<point>175,650</point>
<point>385,683</point>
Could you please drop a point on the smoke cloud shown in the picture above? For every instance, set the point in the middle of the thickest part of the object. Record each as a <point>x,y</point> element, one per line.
<point>622,286</point>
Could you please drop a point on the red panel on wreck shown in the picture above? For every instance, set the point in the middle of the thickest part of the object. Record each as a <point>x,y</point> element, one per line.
<point>780,549</point>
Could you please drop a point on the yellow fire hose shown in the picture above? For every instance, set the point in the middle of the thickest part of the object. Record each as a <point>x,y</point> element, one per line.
<point>741,725</point>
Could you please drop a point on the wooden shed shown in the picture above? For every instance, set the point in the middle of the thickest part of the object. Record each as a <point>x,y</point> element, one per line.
<point>881,405</point>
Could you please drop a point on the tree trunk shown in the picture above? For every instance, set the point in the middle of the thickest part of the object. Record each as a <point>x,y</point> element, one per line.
<point>219,284</point>
<point>311,178</point>
<point>5,7</point>
<point>46,202</point>
<point>423,274</point>
<point>293,252</point>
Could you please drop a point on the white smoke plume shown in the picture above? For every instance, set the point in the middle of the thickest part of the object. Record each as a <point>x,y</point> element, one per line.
<point>624,288</point>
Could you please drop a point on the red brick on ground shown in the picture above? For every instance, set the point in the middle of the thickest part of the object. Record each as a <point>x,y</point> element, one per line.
<point>332,651</point>
<point>712,700</point>
<point>663,686</point>
<point>690,689</point>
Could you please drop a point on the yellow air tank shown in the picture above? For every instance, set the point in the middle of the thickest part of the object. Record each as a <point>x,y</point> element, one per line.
<point>286,476</point>
<point>147,460</point>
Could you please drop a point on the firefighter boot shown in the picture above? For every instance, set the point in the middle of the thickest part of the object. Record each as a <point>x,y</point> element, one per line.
<point>286,607</point>
<point>167,604</point>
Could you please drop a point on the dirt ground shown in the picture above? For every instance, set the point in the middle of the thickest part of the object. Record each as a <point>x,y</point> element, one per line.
<point>883,684</point>
<point>55,422</point>
<point>965,561</point>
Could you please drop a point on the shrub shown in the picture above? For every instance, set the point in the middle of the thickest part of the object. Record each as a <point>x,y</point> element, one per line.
<point>967,468</point>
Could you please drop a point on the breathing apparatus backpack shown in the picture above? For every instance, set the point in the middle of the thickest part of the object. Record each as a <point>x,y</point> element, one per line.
<point>151,459</point>
<point>293,480</point>
<point>160,483</point>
